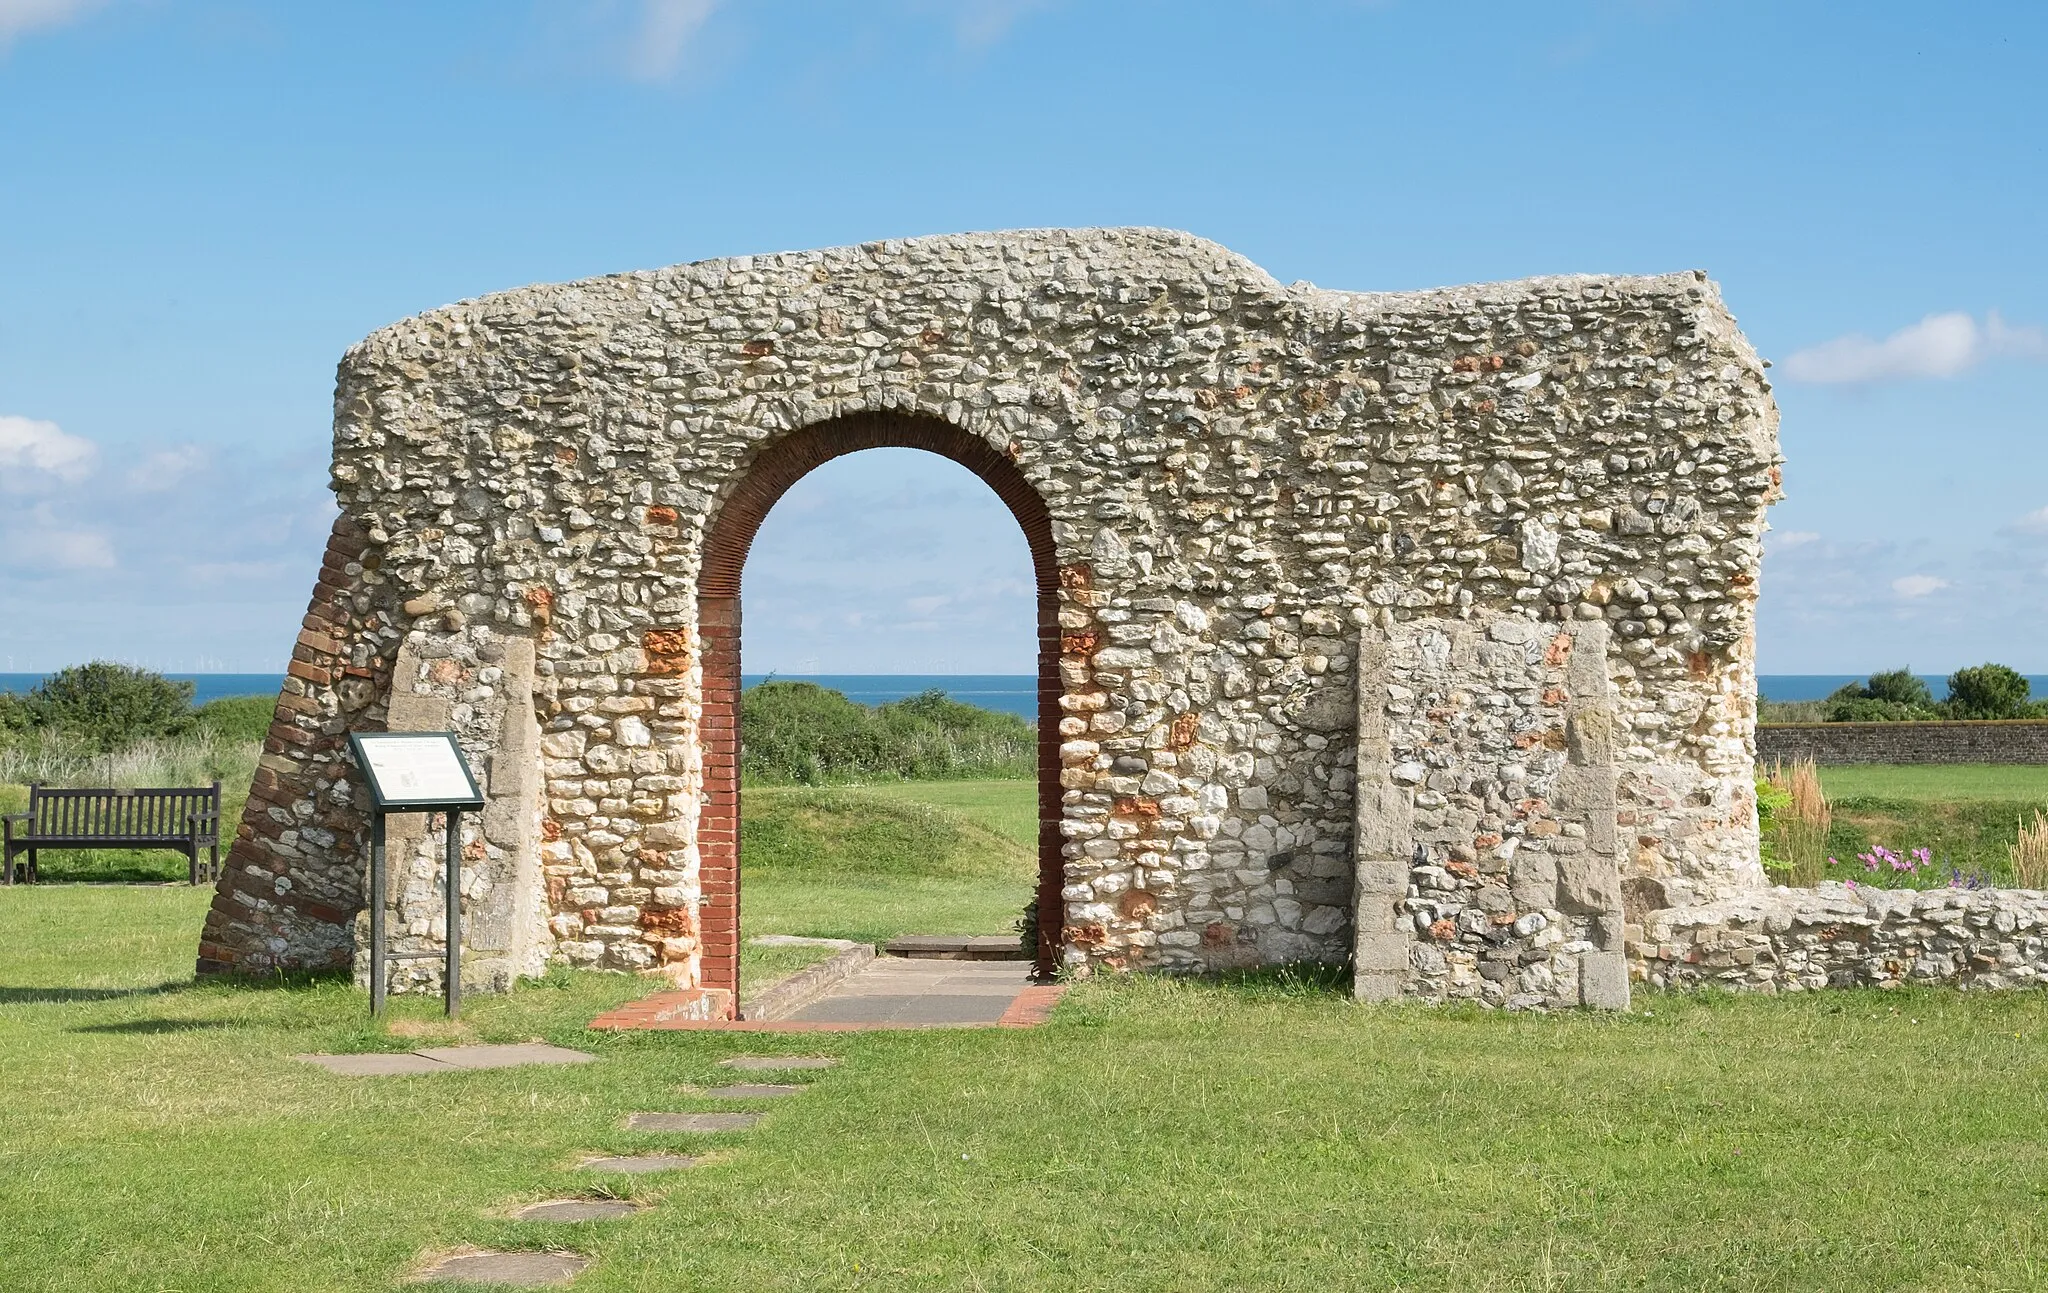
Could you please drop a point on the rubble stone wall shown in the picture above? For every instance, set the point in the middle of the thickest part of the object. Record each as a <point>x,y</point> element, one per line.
<point>1839,936</point>
<point>2020,740</point>
<point>1245,482</point>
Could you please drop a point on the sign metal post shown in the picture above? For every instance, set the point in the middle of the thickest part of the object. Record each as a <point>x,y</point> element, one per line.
<point>415,772</point>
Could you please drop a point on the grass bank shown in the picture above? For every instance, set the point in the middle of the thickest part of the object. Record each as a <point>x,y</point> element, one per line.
<point>1155,1136</point>
<point>1966,814</point>
<point>870,863</point>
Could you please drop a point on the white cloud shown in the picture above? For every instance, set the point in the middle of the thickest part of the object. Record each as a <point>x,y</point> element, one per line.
<point>2034,522</point>
<point>1940,345</point>
<point>1918,585</point>
<point>165,469</point>
<point>18,16</point>
<point>666,29</point>
<point>35,455</point>
<point>1786,540</point>
<point>42,542</point>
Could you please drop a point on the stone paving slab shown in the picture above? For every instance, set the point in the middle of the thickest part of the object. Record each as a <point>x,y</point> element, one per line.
<point>958,947</point>
<point>510,1270</point>
<point>577,1210</point>
<point>705,1123</point>
<point>639,1164</point>
<point>774,1063</point>
<point>505,1056</point>
<point>753,1091</point>
<point>445,1059</point>
<point>401,1064</point>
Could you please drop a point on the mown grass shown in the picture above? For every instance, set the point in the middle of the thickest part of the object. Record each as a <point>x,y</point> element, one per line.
<point>1940,782</point>
<point>1155,1135</point>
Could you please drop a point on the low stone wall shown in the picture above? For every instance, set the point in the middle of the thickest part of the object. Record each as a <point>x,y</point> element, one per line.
<point>2022,740</point>
<point>1838,935</point>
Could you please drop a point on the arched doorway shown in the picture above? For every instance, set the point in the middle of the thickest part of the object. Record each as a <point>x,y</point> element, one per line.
<point>731,534</point>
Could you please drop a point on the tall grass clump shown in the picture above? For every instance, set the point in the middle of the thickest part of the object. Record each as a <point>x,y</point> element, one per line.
<point>57,758</point>
<point>798,733</point>
<point>1794,815</point>
<point>2028,854</point>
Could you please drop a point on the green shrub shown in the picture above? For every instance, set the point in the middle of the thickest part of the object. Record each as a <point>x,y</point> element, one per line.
<point>105,705</point>
<point>1900,687</point>
<point>1890,696</point>
<point>801,733</point>
<point>1987,691</point>
<point>235,718</point>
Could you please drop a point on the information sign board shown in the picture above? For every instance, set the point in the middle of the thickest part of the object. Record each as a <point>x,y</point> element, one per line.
<point>415,771</point>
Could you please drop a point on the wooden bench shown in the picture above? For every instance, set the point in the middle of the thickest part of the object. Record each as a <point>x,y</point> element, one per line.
<point>181,818</point>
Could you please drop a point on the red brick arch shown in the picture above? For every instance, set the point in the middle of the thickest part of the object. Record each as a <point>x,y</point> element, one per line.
<point>732,532</point>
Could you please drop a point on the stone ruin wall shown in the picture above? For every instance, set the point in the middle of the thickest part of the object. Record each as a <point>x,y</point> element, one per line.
<point>1257,494</point>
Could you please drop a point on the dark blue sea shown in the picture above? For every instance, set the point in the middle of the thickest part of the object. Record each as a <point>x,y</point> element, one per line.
<point>206,686</point>
<point>1817,686</point>
<point>1014,693</point>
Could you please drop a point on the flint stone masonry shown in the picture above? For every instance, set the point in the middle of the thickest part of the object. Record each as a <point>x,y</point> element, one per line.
<point>1837,936</point>
<point>1235,493</point>
<point>1834,744</point>
<point>1487,850</point>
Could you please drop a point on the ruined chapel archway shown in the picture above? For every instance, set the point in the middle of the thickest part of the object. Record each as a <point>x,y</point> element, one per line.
<point>730,536</point>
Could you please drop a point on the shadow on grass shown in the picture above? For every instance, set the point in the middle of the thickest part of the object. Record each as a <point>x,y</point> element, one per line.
<point>282,981</point>
<point>147,1026</point>
<point>21,996</point>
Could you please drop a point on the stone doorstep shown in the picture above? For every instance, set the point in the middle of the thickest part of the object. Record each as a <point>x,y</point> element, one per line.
<point>446,1059</point>
<point>1031,1007</point>
<point>785,997</point>
<point>529,1270</point>
<point>952,947</point>
<point>705,1124</point>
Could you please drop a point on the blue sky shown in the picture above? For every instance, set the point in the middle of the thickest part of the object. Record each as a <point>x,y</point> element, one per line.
<point>204,202</point>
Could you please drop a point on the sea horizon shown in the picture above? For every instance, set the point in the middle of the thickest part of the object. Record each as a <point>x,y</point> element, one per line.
<point>1014,693</point>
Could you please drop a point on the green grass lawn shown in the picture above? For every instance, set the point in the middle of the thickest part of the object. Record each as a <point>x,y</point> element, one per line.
<point>1156,1135</point>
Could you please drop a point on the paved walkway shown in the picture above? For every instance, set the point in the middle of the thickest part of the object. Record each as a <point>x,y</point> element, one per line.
<point>889,992</point>
<point>904,992</point>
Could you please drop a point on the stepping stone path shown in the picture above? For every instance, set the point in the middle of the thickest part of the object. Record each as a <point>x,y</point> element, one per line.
<point>577,1210</point>
<point>753,1091</point>
<point>447,1059</point>
<point>639,1164</point>
<point>705,1123</point>
<point>513,1270</point>
<point>772,1063</point>
<point>544,1269</point>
